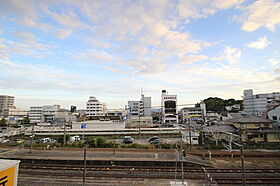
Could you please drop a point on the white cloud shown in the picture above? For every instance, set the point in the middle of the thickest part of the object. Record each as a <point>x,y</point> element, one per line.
<point>231,55</point>
<point>261,43</point>
<point>63,33</point>
<point>274,62</point>
<point>95,56</point>
<point>261,13</point>
<point>192,59</point>
<point>192,9</point>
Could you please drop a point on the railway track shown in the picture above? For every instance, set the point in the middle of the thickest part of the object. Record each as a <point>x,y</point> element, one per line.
<point>221,176</point>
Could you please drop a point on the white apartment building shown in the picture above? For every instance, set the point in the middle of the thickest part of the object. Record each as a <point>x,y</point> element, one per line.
<point>257,104</point>
<point>95,107</point>
<point>44,113</point>
<point>6,102</point>
<point>140,108</point>
<point>169,108</point>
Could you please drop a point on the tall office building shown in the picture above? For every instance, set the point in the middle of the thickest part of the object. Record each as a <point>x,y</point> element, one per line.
<point>95,107</point>
<point>140,108</point>
<point>6,102</point>
<point>257,104</point>
<point>169,108</point>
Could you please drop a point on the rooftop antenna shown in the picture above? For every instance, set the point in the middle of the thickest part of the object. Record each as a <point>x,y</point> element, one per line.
<point>141,91</point>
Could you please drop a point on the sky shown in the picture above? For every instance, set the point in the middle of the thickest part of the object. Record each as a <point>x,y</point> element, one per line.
<point>63,51</point>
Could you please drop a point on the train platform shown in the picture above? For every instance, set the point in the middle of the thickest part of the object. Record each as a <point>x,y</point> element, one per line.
<point>95,154</point>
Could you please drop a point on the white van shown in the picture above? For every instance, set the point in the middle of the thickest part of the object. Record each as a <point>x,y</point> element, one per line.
<point>75,138</point>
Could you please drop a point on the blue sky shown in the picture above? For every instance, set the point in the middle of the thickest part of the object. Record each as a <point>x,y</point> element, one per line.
<point>63,51</point>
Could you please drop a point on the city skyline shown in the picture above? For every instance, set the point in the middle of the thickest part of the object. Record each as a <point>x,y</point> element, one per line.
<point>62,52</point>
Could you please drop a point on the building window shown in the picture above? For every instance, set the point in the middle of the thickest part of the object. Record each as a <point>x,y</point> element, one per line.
<point>274,117</point>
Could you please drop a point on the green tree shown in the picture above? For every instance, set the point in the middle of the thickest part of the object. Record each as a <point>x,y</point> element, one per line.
<point>217,104</point>
<point>26,120</point>
<point>214,104</point>
<point>3,121</point>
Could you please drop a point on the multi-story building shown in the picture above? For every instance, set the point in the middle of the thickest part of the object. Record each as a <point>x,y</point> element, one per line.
<point>140,108</point>
<point>194,113</point>
<point>6,102</point>
<point>169,108</point>
<point>95,107</point>
<point>257,104</point>
<point>15,115</point>
<point>44,113</point>
<point>35,114</point>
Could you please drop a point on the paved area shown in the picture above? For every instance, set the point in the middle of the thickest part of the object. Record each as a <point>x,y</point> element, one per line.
<point>27,180</point>
<point>98,154</point>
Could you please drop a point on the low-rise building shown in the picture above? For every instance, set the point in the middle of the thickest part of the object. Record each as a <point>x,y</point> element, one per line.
<point>15,115</point>
<point>196,113</point>
<point>256,129</point>
<point>139,122</point>
<point>192,135</point>
<point>274,115</point>
<point>98,124</point>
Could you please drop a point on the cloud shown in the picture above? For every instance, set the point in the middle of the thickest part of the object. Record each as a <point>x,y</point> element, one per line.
<point>193,59</point>
<point>95,56</point>
<point>63,33</point>
<point>261,13</point>
<point>231,55</point>
<point>193,9</point>
<point>274,62</point>
<point>261,43</point>
<point>25,43</point>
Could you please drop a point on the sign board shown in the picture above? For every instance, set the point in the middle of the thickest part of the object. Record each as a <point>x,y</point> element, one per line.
<point>83,126</point>
<point>8,172</point>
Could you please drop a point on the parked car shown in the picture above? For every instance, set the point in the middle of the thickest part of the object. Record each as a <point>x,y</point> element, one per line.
<point>43,140</point>
<point>4,140</point>
<point>75,138</point>
<point>18,140</point>
<point>46,140</point>
<point>52,141</point>
<point>128,140</point>
<point>154,140</point>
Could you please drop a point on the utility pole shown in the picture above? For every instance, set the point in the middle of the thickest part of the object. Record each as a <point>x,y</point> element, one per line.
<point>182,162</point>
<point>242,159</point>
<point>64,135</point>
<point>114,149</point>
<point>32,136</point>
<point>242,165</point>
<point>176,153</point>
<point>85,164</point>
<point>190,135</point>
<point>139,120</point>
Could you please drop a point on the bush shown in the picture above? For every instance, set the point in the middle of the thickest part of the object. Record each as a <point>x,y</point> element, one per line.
<point>99,143</point>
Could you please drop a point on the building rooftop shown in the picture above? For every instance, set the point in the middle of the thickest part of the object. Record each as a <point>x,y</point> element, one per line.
<point>250,119</point>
